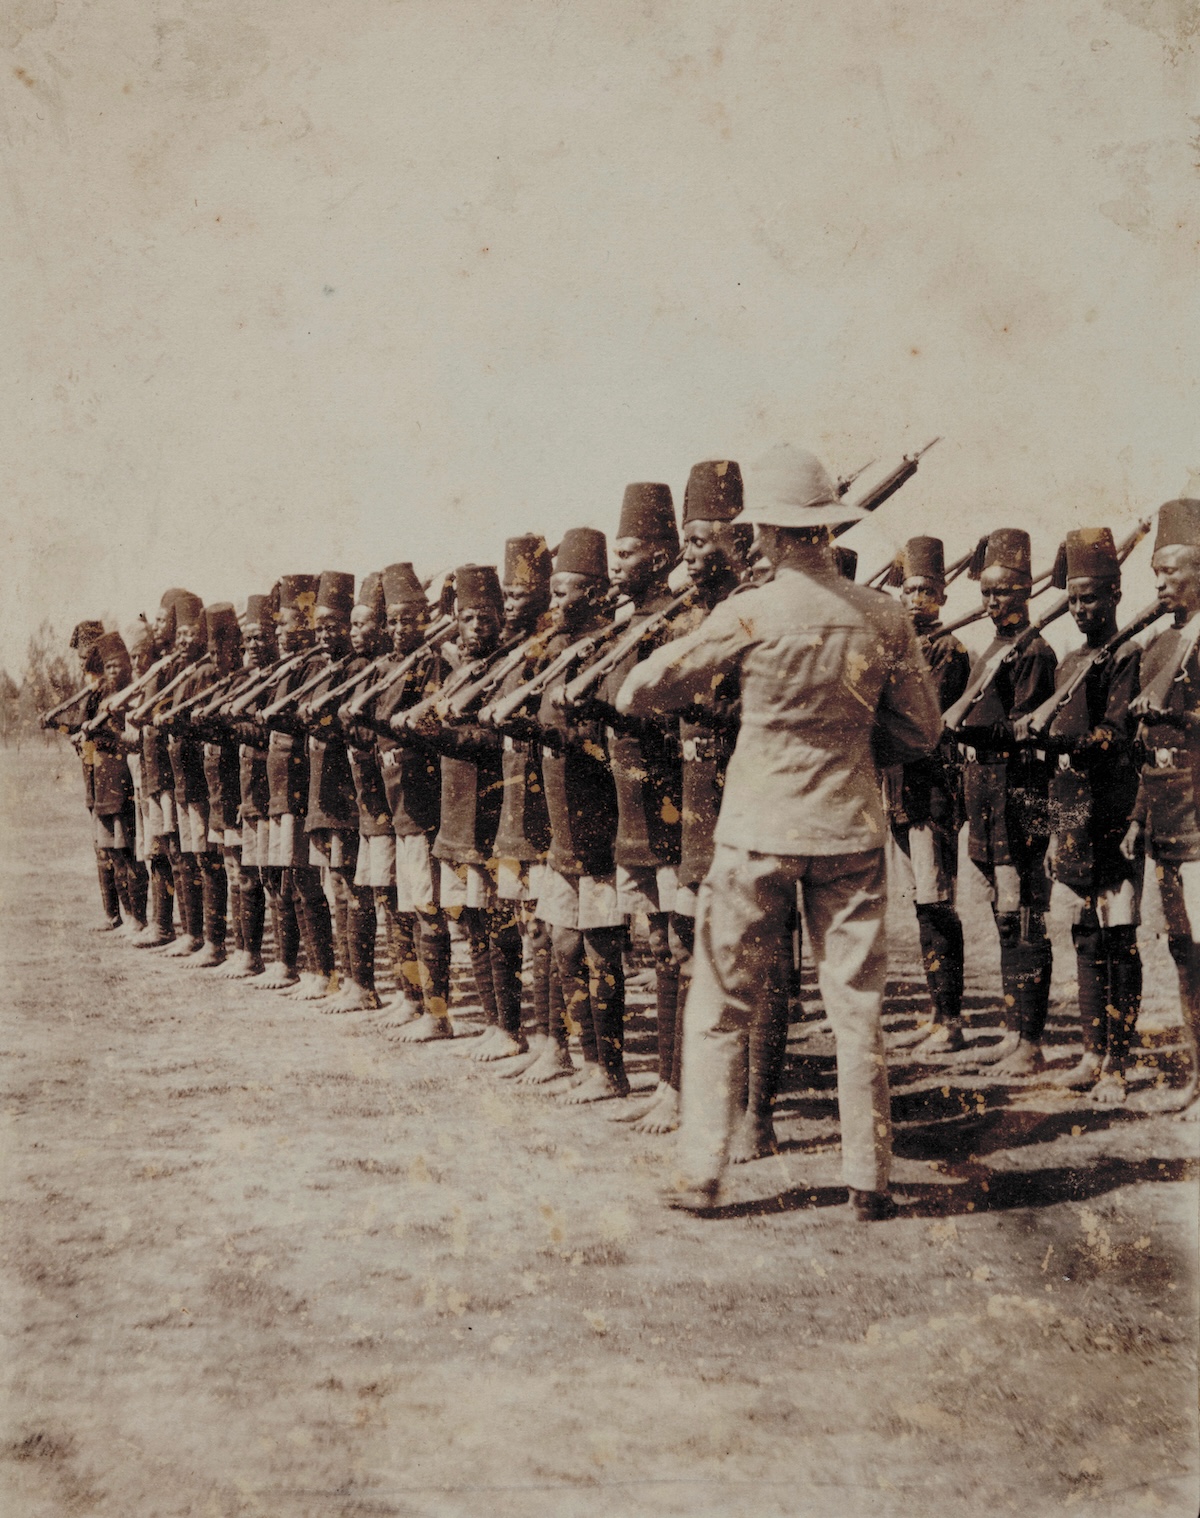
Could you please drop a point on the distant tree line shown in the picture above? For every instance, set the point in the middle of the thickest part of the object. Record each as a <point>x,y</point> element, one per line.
<point>51,673</point>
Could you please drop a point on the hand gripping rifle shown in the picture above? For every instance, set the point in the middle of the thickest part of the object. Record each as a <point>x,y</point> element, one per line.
<point>290,702</point>
<point>500,713</point>
<point>987,670</point>
<point>50,718</point>
<point>168,666</point>
<point>143,711</point>
<point>440,631</point>
<point>437,704</point>
<point>244,704</point>
<point>1039,721</point>
<point>615,654</point>
<point>211,695</point>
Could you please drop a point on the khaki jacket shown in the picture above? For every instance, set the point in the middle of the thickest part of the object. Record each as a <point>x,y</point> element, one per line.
<point>832,685</point>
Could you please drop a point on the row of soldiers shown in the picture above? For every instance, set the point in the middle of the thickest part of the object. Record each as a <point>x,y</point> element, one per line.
<point>544,754</point>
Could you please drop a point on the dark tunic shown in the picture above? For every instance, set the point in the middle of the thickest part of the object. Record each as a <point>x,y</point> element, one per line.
<point>1094,787</point>
<point>1005,787</point>
<point>157,775</point>
<point>412,776</point>
<point>524,828</point>
<point>185,746</point>
<point>287,751</point>
<point>646,766</point>
<point>930,790</point>
<point>332,801</point>
<point>1166,802</point>
<point>581,796</point>
<point>82,710</point>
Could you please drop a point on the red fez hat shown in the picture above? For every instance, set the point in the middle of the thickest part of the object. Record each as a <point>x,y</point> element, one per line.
<point>583,551</point>
<point>713,492</point>
<point>648,511</point>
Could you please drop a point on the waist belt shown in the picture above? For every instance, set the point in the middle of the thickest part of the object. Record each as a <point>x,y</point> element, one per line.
<point>1002,755</point>
<point>389,758</point>
<point>706,747</point>
<point>519,745</point>
<point>1166,759</point>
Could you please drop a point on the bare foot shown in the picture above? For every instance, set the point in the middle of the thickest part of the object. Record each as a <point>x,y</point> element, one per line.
<point>911,1036</point>
<point>109,925</point>
<point>997,1052</point>
<point>1109,1090</point>
<point>209,957</point>
<point>182,947</point>
<point>130,928</point>
<point>152,937</point>
<point>700,1198</point>
<point>551,1064</point>
<point>354,998</point>
<point>1080,1077</point>
<point>426,1029</point>
<point>601,1086</point>
<point>522,1062</point>
<point>753,1139</point>
<point>647,1106</point>
<point>1025,1059</point>
<point>944,1038</point>
<point>243,966</point>
<point>504,1046</point>
<point>663,1117</point>
<point>402,1009</point>
<point>314,987</point>
<point>275,977</point>
<point>492,1035</point>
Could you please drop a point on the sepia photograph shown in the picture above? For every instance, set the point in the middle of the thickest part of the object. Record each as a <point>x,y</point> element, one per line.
<point>600,759</point>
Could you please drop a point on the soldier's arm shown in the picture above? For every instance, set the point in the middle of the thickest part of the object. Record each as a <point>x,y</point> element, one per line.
<point>908,719</point>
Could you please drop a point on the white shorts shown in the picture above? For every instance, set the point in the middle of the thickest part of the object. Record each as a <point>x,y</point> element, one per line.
<point>418,875</point>
<point>579,901</point>
<point>647,890</point>
<point>467,885</point>
<point>1179,884</point>
<point>160,814</point>
<point>256,842</point>
<point>288,845</point>
<point>685,900</point>
<point>112,832</point>
<point>376,860</point>
<point>193,828</point>
<point>518,879</point>
<point>333,849</point>
<point>924,861</point>
<point>142,841</point>
<point>1120,906</point>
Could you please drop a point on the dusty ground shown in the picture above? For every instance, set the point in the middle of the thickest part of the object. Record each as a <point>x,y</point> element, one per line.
<point>258,1261</point>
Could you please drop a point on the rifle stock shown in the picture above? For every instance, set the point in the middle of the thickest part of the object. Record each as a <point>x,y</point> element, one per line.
<point>47,719</point>
<point>241,705</point>
<point>141,712</point>
<point>436,634</point>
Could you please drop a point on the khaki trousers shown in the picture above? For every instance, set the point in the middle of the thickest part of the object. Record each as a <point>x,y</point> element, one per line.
<point>743,953</point>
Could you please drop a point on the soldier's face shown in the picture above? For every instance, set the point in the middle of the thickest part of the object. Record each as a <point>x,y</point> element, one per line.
<point>1177,577</point>
<point>257,646</point>
<point>922,599</point>
<point>295,630</point>
<point>1005,597</point>
<point>478,630</point>
<point>636,563</point>
<point>142,658</point>
<point>523,605</point>
<point>572,597</point>
<point>160,628</point>
<point>187,637</point>
<point>333,632</point>
<point>704,552</point>
<point>1093,603</point>
<point>364,630</point>
<point>407,621</point>
<point>116,672</point>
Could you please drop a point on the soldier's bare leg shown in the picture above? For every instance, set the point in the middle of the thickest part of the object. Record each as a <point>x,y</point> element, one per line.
<point>214,901</point>
<point>434,1023</point>
<point>1124,1003</point>
<point>603,951</point>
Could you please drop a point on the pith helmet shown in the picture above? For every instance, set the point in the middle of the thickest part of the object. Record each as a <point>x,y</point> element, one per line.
<point>713,492</point>
<point>790,487</point>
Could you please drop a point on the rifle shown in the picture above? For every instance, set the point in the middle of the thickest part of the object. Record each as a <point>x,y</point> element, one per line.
<point>141,713</point>
<point>846,480</point>
<point>1044,581</point>
<point>438,632</point>
<point>209,696</point>
<point>437,704</point>
<point>1150,699</point>
<point>314,709</point>
<point>493,677</point>
<point>164,666</point>
<point>578,689</point>
<point>1039,721</point>
<point>291,701</point>
<point>240,705</point>
<point>888,486</point>
<point>47,719</point>
<point>985,673</point>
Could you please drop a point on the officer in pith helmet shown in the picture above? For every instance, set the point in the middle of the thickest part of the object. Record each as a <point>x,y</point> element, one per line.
<point>831,681</point>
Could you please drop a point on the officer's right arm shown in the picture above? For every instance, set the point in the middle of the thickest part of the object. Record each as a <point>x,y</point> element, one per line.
<point>687,670</point>
<point>908,719</point>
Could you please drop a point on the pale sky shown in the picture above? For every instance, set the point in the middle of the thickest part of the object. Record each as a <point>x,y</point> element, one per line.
<point>299,286</point>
